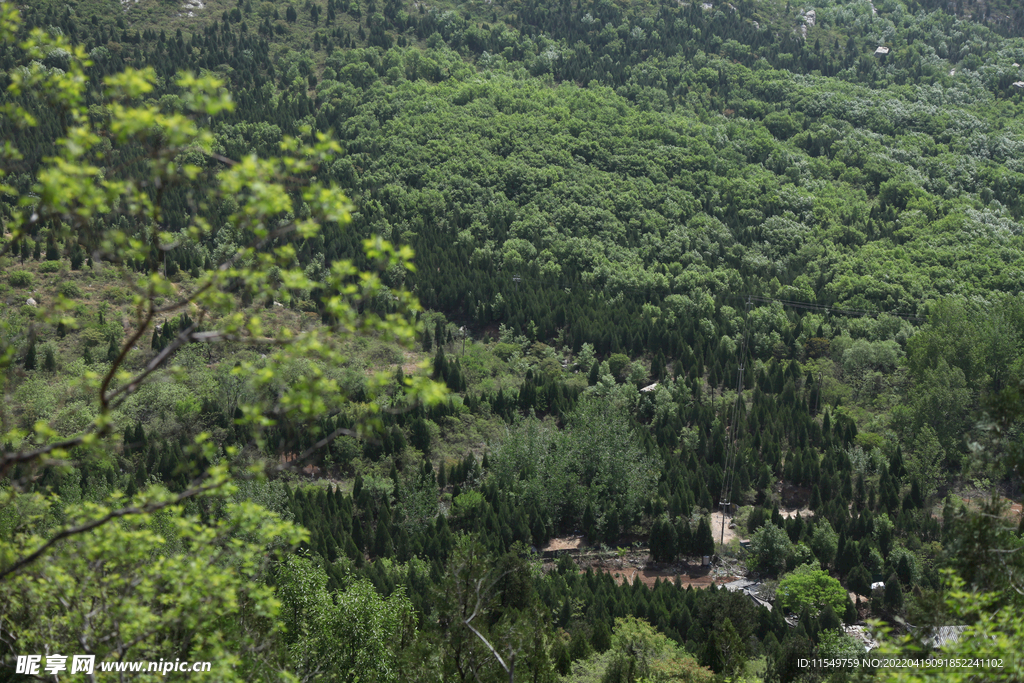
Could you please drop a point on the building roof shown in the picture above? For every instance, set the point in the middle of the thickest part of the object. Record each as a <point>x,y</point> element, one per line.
<point>751,589</point>
<point>939,636</point>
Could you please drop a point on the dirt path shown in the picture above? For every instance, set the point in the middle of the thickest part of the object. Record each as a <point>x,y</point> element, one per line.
<point>716,529</point>
<point>564,543</point>
<point>697,577</point>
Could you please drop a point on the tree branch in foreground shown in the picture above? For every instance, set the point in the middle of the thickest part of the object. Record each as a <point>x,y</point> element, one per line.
<point>110,516</point>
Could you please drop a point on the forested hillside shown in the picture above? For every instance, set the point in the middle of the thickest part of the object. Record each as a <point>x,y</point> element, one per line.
<point>412,341</point>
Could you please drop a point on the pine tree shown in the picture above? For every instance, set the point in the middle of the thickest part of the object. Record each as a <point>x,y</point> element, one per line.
<point>893,596</point>
<point>560,658</point>
<point>112,350</point>
<point>590,524</point>
<point>684,538</point>
<point>579,646</point>
<point>441,367</point>
<point>77,257</point>
<point>903,571</point>
<point>601,638</point>
<point>30,357</point>
<point>419,437</point>
<point>896,467</point>
<point>704,542</point>
<point>382,544</point>
<point>49,362</point>
<point>663,541</point>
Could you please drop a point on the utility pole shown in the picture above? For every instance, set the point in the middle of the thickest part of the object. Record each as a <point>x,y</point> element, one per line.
<point>730,447</point>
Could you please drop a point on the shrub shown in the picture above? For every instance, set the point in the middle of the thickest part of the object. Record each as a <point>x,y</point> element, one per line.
<point>117,295</point>
<point>504,351</point>
<point>93,337</point>
<point>617,363</point>
<point>70,290</point>
<point>50,267</point>
<point>20,278</point>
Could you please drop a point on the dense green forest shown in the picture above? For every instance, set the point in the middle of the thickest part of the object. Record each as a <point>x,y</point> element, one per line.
<point>428,342</point>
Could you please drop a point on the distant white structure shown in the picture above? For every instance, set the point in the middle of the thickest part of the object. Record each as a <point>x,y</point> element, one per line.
<point>1015,65</point>
<point>1019,85</point>
<point>650,387</point>
<point>881,51</point>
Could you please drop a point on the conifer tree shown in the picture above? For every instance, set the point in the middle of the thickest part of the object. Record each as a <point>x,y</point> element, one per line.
<point>663,541</point>
<point>382,544</point>
<point>893,596</point>
<point>601,638</point>
<point>30,357</point>
<point>704,541</point>
<point>77,257</point>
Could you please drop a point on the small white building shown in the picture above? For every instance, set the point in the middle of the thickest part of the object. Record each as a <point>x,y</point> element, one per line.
<point>881,51</point>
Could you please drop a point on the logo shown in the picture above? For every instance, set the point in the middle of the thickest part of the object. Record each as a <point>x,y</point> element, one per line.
<point>55,663</point>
